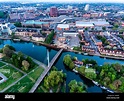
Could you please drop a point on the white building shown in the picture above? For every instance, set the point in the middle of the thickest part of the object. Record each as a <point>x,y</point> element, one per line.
<point>73,34</point>
<point>63,26</point>
<point>38,37</point>
<point>83,24</point>
<point>7,28</point>
<point>86,8</point>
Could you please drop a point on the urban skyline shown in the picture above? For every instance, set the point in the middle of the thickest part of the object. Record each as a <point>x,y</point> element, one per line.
<point>83,1</point>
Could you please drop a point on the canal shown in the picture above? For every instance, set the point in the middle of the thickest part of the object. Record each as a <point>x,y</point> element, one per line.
<point>39,52</point>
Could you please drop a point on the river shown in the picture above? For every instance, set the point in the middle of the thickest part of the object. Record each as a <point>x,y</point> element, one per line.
<point>39,52</point>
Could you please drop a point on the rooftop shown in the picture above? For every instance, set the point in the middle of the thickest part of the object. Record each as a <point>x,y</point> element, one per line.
<point>35,22</point>
<point>63,25</point>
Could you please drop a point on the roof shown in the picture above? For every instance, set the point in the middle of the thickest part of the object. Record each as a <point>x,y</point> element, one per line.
<point>35,22</point>
<point>63,25</point>
<point>67,33</point>
<point>83,23</point>
<point>100,23</point>
<point>37,35</point>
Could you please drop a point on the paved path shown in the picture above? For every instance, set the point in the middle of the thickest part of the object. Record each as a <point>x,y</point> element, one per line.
<point>45,72</point>
<point>12,84</point>
<point>14,67</point>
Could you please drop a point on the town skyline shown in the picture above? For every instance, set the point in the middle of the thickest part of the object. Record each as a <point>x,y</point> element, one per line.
<point>77,1</point>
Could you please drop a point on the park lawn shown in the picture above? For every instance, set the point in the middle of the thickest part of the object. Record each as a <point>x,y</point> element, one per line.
<point>61,88</point>
<point>12,76</point>
<point>1,64</point>
<point>30,69</point>
<point>25,84</point>
<point>41,88</point>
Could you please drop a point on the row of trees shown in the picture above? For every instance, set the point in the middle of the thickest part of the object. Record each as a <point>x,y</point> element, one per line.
<point>112,76</point>
<point>49,38</point>
<point>109,75</point>
<point>17,59</point>
<point>68,61</point>
<point>77,87</point>
<point>55,78</point>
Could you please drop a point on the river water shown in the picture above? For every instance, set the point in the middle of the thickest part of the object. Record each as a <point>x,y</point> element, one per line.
<point>39,52</point>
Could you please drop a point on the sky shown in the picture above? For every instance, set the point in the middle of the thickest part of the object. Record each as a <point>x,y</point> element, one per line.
<point>80,1</point>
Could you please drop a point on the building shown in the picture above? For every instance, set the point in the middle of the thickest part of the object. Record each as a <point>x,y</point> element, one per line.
<point>36,23</point>
<point>101,23</point>
<point>7,28</point>
<point>84,24</point>
<point>86,8</point>
<point>14,16</point>
<point>38,37</point>
<point>28,16</point>
<point>61,38</point>
<point>87,15</point>
<point>25,33</point>
<point>70,33</point>
<point>62,12</point>
<point>53,12</point>
<point>63,26</point>
<point>96,41</point>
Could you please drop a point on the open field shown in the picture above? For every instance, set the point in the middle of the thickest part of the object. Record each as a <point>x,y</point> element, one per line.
<point>25,84</point>
<point>11,73</point>
<point>1,64</point>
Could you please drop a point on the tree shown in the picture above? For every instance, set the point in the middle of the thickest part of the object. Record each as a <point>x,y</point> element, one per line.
<point>91,75</point>
<point>10,47</point>
<point>71,65</point>
<point>106,81</point>
<point>102,74</point>
<point>8,52</point>
<point>49,38</point>
<point>31,62</point>
<point>104,28</point>
<point>116,25</point>
<point>74,58</point>
<point>54,78</point>
<point>67,60</point>
<point>18,24</point>
<point>112,87</point>
<point>2,14</point>
<point>123,18</point>
<point>117,83</point>
<point>76,87</point>
<point>25,64</point>
<point>117,67</point>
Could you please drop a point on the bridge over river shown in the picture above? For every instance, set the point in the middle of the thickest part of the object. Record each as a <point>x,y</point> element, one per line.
<point>45,71</point>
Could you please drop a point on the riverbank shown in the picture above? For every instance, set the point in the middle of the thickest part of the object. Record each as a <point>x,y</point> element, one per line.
<point>70,50</point>
<point>38,52</point>
<point>55,47</point>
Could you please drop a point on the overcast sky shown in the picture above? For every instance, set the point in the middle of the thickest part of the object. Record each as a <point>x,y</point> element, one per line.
<point>83,1</point>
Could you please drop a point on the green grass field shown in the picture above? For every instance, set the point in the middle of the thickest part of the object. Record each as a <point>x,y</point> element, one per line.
<point>25,84</point>
<point>12,76</point>
<point>1,64</point>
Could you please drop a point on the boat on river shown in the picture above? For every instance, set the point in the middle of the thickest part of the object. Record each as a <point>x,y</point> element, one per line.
<point>103,87</point>
<point>110,91</point>
<point>75,70</point>
<point>16,39</point>
<point>96,83</point>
